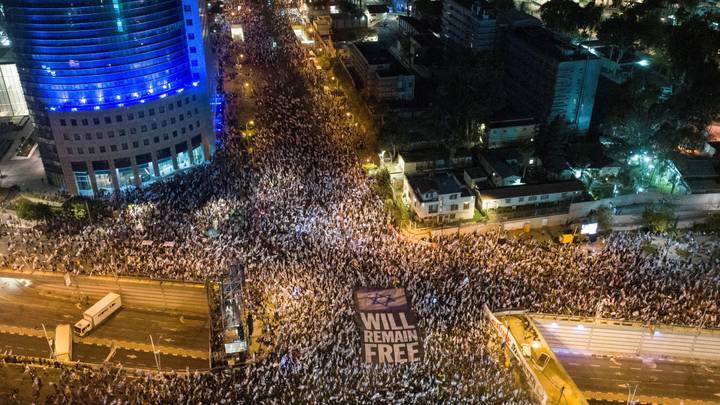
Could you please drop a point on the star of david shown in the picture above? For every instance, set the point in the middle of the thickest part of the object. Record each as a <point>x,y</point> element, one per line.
<point>384,299</point>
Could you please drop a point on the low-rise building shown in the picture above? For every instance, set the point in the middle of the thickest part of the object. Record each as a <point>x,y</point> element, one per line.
<point>508,131</point>
<point>438,197</point>
<point>503,169</point>
<point>432,159</point>
<point>381,76</point>
<point>529,194</point>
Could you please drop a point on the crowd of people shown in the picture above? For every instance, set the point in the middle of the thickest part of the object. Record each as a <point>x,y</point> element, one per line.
<point>291,205</point>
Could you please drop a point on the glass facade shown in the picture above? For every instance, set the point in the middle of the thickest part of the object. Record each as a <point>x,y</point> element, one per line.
<point>165,166</point>
<point>12,101</point>
<point>183,160</point>
<point>146,172</point>
<point>82,182</point>
<point>125,177</point>
<point>92,54</point>
<point>198,156</point>
<point>103,182</point>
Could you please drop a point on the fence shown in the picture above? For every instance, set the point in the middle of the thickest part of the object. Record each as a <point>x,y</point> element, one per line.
<point>591,335</point>
<point>505,335</point>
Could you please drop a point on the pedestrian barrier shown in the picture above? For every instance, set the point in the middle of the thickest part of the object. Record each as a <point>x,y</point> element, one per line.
<point>504,334</point>
<point>590,335</point>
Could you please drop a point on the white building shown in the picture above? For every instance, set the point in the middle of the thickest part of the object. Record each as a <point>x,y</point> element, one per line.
<point>529,194</point>
<point>438,197</point>
<point>383,78</point>
<point>504,132</point>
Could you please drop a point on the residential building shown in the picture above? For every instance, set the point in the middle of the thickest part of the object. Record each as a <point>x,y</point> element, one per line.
<point>509,130</point>
<point>503,168</point>
<point>547,77</point>
<point>411,26</point>
<point>348,20</point>
<point>469,24</point>
<point>432,159</point>
<point>529,194</point>
<point>120,92</point>
<point>438,197</point>
<point>698,175</point>
<point>382,77</point>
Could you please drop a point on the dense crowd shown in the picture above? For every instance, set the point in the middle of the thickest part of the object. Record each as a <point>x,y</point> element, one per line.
<point>291,205</point>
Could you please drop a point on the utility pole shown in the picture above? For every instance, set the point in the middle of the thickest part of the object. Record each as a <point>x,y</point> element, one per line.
<point>52,352</point>
<point>155,353</point>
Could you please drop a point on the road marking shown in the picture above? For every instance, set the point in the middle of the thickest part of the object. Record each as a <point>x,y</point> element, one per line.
<point>595,365</point>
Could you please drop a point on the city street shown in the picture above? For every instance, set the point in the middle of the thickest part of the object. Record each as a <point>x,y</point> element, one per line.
<point>602,377</point>
<point>175,317</point>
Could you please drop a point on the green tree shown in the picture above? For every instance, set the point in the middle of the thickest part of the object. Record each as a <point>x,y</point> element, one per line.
<point>552,145</point>
<point>568,17</point>
<point>712,222</point>
<point>33,211</point>
<point>469,94</point>
<point>692,48</point>
<point>604,218</point>
<point>77,208</point>
<point>658,219</point>
<point>561,15</point>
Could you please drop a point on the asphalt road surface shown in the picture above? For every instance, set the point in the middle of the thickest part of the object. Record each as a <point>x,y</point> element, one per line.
<point>179,334</point>
<point>680,380</point>
<point>87,353</point>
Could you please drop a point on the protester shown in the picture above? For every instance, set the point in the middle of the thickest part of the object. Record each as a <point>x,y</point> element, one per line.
<point>290,204</point>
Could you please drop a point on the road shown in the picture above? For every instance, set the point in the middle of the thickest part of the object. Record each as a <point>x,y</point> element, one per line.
<point>88,353</point>
<point>175,316</point>
<point>678,380</point>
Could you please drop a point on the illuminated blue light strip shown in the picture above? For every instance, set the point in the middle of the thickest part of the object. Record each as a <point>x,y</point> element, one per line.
<point>112,53</point>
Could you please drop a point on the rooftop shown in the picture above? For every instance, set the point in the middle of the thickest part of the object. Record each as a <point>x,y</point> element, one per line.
<point>433,153</point>
<point>475,172</point>
<point>374,52</point>
<point>531,189</point>
<point>413,22</point>
<point>515,18</point>
<point>440,183</point>
<point>551,44</point>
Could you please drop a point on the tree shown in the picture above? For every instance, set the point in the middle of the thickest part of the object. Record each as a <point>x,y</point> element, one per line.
<point>33,211</point>
<point>552,145</point>
<point>658,219</point>
<point>604,217</point>
<point>568,17</point>
<point>712,222</point>
<point>561,15</point>
<point>77,208</point>
<point>504,4</point>
<point>692,48</point>
<point>469,94</point>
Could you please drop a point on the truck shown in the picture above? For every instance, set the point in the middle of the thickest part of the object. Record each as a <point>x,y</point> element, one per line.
<point>97,313</point>
<point>63,342</point>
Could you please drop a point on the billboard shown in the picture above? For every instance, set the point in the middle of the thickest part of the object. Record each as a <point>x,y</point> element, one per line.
<point>388,326</point>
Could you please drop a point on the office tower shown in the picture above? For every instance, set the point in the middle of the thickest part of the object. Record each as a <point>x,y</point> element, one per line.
<point>119,90</point>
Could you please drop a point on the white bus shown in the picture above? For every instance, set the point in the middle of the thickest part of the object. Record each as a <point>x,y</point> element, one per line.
<point>97,313</point>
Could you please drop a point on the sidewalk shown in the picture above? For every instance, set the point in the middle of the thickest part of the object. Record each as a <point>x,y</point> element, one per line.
<point>553,377</point>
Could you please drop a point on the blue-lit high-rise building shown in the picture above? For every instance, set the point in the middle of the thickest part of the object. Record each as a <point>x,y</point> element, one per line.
<point>119,90</point>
